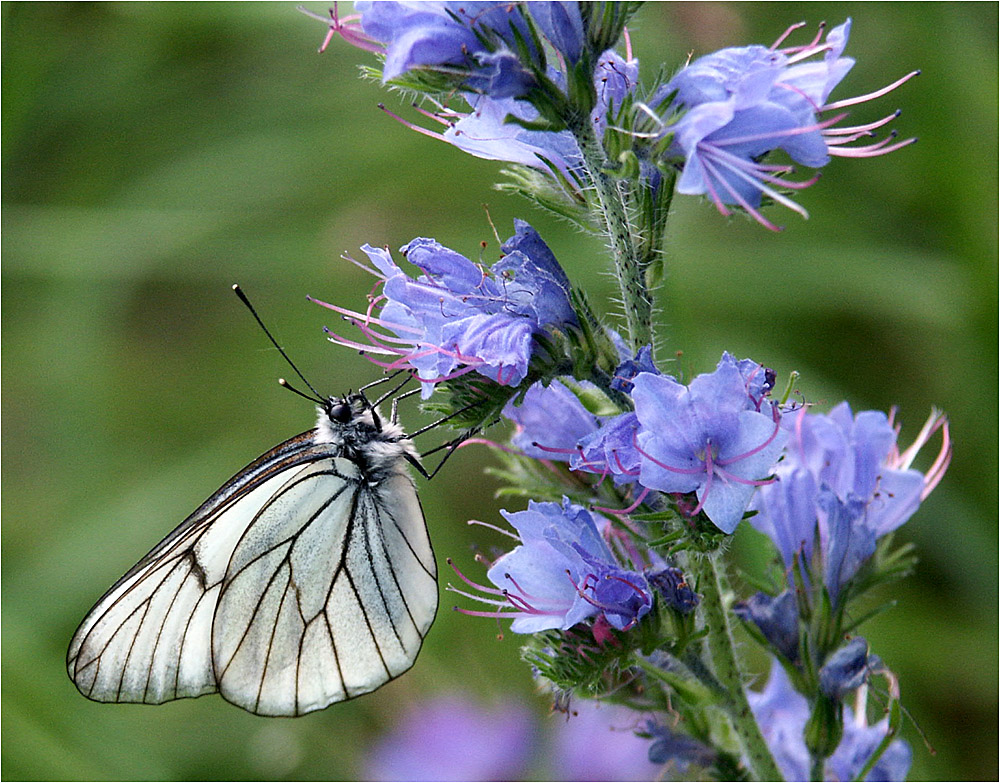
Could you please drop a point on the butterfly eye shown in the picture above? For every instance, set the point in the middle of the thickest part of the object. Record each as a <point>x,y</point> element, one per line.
<point>341,412</point>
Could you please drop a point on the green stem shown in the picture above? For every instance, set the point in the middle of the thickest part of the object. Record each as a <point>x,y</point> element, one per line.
<point>727,669</point>
<point>630,267</point>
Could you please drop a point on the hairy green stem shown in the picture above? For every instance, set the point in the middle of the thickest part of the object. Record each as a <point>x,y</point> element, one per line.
<point>630,267</point>
<point>727,669</point>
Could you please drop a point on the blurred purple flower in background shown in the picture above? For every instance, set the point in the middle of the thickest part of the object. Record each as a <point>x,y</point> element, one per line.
<point>454,738</point>
<point>597,742</point>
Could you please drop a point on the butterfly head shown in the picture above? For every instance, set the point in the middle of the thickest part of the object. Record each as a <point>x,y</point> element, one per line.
<point>355,428</point>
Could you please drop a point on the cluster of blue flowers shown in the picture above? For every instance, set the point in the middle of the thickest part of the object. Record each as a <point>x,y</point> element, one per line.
<point>635,477</point>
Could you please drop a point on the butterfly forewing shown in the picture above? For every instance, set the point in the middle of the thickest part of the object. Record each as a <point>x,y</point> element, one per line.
<point>300,583</point>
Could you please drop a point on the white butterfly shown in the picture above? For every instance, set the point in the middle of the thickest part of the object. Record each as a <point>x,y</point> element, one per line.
<point>308,578</point>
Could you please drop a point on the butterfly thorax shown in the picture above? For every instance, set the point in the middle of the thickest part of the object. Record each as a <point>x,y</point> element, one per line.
<point>359,434</point>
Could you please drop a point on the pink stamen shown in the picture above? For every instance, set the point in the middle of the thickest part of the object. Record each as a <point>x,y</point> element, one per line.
<point>470,583</point>
<point>364,266</point>
<point>431,115</point>
<point>333,337</point>
<point>450,376</point>
<point>348,28</point>
<point>738,197</point>
<point>862,128</point>
<point>814,44</point>
<point>785,35</point>
<point>871,151</point>
<point>630,509</point>
<point>521,605</point>
<point>622,468</point>
<point>474,613</point>
<point>487,442</point>
<point>411,125</point>
<point>452,589</point>
<point>793,132</point>
<point>872,95</point>
<point>645,598</point>
<point>764,445</point>
<point>497,528</point>
<point>553,449</point>
<point>682,471</point>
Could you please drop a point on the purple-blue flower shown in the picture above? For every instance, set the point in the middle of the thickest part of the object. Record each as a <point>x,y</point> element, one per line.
<point>848,668</point>
<point>550,421</point>
<point>476,41</point>
<point>777,617</point>
<point>680,750</point>
<point>458,317</point>
<point>485,133</point>
<point>469,39</point>
<point>737,105</point>
<point>561,573</point>
<point>843,475</point>
<point>782,714</point>
<point>621,379</point>
<point>611,450</point>
<point>670,583</point>
<point>562,24</point>
<point>708,438</point>
<point>451,737</point>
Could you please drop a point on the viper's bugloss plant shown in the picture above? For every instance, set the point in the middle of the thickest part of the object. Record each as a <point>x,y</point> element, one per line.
<point>631,478</point>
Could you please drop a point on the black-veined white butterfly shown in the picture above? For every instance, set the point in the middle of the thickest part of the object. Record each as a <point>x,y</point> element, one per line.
<point>306,579</point>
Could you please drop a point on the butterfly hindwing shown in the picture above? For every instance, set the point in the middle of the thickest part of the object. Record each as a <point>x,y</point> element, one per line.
<point>315,607</point>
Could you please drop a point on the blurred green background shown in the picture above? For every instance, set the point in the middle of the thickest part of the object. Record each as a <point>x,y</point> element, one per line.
<point>155,154</point>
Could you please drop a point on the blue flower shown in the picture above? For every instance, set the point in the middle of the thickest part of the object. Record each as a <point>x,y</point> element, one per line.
<point>844,474</point>
<point>485,132</point>
<point>550,421</point>
<point>469,37</point>
<point>452,737</point>
<point>458,317</point>
<point>782,714</point>
<point>669,747</point>
<point>562,24</point>
<point>673,587</point>
<point>777,617</point>
<point>561,573</point>
<point>848,668</point>
<point>629,368</point>
<point>736,106</point>
<point>706,438</point>
<point>611,450</point>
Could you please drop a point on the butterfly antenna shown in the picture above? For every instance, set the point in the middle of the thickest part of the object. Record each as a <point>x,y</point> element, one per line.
<point>243,298</point>
<point>282,382</point>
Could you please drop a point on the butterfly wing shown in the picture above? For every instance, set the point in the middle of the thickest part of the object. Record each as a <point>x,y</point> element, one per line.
<point>329,593</point>
<point>298,584</point>
<point>148,638</point>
